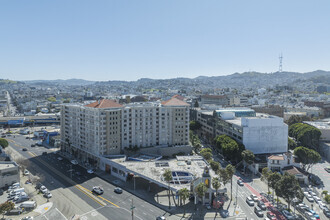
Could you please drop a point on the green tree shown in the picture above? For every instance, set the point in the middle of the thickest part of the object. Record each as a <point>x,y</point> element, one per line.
<point>273,179</point>
<point>291,144</point>
<point>194,125</point>
<point>223,176</point>
<point>183,194</point>
<point>307,135</point>
<point>51,99</point>
<point>206,153</point>
<point>230,169</point>
<point>288,188</point>
<point>248,157</point>
<point>201,190</point>
<point>265,175</point>
<point>167,175</point>
<point>307,157</point>
<point>327,199</point>
<point>215,166</point>
<point>297,119</point>
<point>5,207</point>
<point>3,143</point>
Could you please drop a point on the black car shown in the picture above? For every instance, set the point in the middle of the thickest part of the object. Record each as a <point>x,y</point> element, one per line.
<point>326,212</point>
<point>44,153</point>
<point>33,145</point>
<point>24,149</point>
<point>38,185</point>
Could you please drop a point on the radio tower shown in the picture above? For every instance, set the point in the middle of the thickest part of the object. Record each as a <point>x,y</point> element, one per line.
<point>280,66</point>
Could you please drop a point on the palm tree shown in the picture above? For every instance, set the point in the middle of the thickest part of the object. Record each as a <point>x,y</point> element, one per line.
<point>216,185</point>
<point>184,194</point>
<point>167,175</point>
<point>201,190</point>
<point>230,169</point>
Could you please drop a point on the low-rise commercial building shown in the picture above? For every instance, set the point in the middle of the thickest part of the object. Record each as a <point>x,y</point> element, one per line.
<point>9,173</point>
<point>262,134</point>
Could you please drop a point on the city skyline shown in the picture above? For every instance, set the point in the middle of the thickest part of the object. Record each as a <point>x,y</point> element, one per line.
<point>127,41</point>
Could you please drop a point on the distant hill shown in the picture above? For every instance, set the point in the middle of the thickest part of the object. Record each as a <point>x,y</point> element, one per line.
<point>75,82</point>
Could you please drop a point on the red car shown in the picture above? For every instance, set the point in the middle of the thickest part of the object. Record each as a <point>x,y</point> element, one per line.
<point>271,216</point>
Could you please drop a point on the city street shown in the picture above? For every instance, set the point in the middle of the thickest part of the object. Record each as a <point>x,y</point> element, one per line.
<point>109,205</point>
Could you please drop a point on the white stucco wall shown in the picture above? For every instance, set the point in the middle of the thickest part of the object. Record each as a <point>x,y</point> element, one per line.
<point>265,135</point>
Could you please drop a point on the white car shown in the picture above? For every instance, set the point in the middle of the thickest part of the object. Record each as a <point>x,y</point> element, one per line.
<point>322,206</point>
<point>312,193</point>
<point>306,194</point>
<point>309,198</point>
<point>90,171</point>
<point>43,189</point>
<point>317,199</point>
<point>26,172</point>
<point>249,201</point>
<point>27,218</point>
<point>254,197</point>
<point>74,162</point>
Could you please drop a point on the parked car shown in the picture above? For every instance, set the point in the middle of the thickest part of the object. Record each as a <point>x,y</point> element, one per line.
<point>24,149</point>
<point>224,213</point>
<point>271,216</point>
<point>313,213</point>
<point>309,216</point>
<point>74,162</point>
<point>310,198</point>
<point>317,199</point>
<point>327,169</point>
<point>161,218</point>
<point>16,211</point>
<point>249,201</point>
<point>261,205</point>
<point>258,212</point>
<point>26,172</point>
<point>118,190</point>
<point>98,190</point>
<point>207,205</point>
<point>254,197</point>
<point>33,145</point>
<point>322,206</point>
<point>48,195</point>
<point>43,189</point>
<point>38,185</point>
<point>288,215</point>
<point>60,158</point>
<point>326,212</point>
<point>90,171</point>
<point>27,218</point>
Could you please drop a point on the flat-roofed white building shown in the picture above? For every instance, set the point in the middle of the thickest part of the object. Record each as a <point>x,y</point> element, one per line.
<point>262,134</point>
<point>9,173</point>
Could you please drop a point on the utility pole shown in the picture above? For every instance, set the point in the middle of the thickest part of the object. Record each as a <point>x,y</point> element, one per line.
<point>132,208</point>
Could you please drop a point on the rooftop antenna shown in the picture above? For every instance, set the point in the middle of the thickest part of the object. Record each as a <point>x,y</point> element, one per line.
<point>280,66</point>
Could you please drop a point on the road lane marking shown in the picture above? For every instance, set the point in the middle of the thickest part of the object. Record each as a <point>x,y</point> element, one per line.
<point>83,190</point>
<point>99,196</point>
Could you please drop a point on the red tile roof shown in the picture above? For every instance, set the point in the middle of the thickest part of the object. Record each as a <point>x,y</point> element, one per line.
<point>175,102</point>
<point>104,103</point>
<point>178,97</point>
<point>294,170</point>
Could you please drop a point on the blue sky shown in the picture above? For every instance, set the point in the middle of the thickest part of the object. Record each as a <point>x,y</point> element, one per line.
<point>128,40</point>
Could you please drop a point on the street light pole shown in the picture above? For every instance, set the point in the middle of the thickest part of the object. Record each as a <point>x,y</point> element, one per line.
<point>132,208</point>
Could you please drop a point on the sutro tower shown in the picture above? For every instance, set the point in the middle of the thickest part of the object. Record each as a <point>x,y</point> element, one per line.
<point>280,66</point>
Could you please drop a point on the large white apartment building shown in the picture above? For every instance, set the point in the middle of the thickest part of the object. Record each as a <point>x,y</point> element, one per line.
<point>105,127</point>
